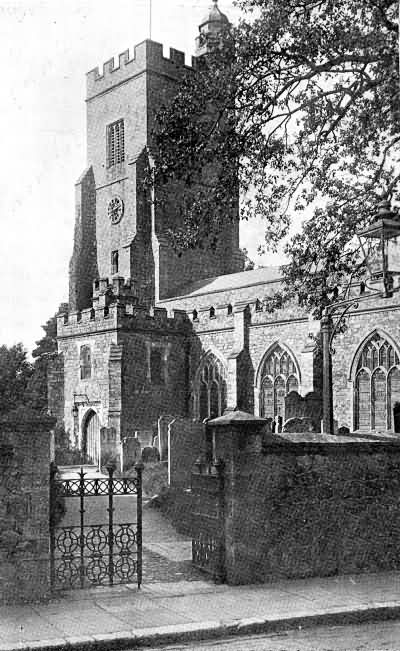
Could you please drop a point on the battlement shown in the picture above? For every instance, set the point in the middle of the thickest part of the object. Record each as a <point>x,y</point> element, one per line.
<point>147,55</point>
<point>222,316</point>
<point>116,307</point>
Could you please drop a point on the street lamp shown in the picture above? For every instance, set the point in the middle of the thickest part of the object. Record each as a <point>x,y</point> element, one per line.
<point>381,250</point>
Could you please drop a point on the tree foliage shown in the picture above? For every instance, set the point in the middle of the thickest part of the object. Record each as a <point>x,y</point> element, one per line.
<point>296,108</point>
<point>36,391</point>
<point>15,372</point>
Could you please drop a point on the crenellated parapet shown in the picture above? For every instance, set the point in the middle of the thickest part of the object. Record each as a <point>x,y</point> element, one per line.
<point>221,317</point>
<point>116,307</point>
<point>147,55</point>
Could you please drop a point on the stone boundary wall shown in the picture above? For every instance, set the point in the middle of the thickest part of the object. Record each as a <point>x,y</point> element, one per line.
<point>185,446</point>
<point>24,507</point>
<point>303,505</point>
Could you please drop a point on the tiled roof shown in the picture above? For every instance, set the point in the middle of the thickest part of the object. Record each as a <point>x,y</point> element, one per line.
<point>233,281</point>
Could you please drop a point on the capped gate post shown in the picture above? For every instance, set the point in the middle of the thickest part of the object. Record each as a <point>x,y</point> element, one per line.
<point>52,523</point>
<point>139,472</point>
<point>110,470</point>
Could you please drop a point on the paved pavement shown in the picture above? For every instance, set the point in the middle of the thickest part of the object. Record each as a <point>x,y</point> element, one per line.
<point>176,604</point>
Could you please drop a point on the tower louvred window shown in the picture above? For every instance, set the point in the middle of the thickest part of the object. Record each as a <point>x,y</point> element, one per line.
<point>115,143</point>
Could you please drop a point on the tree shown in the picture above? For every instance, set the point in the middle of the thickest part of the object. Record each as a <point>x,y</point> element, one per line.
<point>299,104</point>
<point>36,391</point>
<point>15,372</point>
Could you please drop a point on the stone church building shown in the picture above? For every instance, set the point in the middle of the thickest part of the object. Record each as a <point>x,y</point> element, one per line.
<point>149,333</point>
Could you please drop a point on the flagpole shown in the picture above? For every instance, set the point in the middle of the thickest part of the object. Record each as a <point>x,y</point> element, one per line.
<point>150,17</point>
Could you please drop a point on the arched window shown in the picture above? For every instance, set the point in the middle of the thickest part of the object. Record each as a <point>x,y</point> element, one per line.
<point>85,362</point>
<point>278,378</point>
<point>377,385</point>
<point>211,390</point>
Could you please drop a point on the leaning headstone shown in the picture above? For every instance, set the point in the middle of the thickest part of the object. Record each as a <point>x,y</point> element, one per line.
<point>150,455</point>
<point>299,425</point>
<point>294,405</point>
<point>131,451</point>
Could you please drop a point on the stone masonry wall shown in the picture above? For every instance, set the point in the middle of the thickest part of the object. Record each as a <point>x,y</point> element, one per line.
<point>90,393</point>
<point>372,315</point>
<point>143,399</point>
<point>185,446</point>
<point>261,332</point>
<point>24,507</point>
<point>316,507</point>
<point>83,264</point>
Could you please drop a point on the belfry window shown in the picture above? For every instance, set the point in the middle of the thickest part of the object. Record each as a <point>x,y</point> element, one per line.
<point>377,386</point>
<point>85,362</point>
<point>211,390</point>
<point>278,378</point>
<point>115,143</point>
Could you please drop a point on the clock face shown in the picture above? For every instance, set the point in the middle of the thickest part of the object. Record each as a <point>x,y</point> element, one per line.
<point>115,210</point>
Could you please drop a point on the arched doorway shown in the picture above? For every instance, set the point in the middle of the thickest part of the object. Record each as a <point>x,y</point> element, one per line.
<point>91,438</point>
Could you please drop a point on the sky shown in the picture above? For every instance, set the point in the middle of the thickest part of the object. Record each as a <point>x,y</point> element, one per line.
<point>46,47</point>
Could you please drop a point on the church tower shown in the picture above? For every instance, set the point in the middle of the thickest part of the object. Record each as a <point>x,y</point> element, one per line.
<point>118,231</point>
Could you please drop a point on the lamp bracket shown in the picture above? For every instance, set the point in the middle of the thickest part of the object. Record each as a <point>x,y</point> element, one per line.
<point>81,399</point>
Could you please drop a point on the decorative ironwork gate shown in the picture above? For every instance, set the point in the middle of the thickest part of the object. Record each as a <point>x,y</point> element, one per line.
<point>94,554</point>
<point>208,520</point>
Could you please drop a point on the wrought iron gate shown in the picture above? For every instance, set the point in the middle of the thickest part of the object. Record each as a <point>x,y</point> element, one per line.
<point>94,554</point>
<point>208,519</point>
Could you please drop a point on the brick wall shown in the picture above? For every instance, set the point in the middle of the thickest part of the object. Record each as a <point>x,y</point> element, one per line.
<point>24,507</point>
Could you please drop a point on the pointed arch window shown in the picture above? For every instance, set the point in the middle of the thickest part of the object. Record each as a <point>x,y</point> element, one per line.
<point>211,391</point>
<point>377,385</point>
<point>279,377</point>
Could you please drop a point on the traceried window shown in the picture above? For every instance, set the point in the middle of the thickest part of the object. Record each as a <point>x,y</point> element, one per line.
<point>377,386</point>
<point>278,378</point>
<point>211,388</point>
<point>115,143</point>
<point>85,362</point>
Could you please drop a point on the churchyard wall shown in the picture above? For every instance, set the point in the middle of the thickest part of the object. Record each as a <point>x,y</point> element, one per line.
<point>299,505</point>
<point>24,507</point>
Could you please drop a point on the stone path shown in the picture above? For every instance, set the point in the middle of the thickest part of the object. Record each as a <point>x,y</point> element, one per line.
<point>166,553</point>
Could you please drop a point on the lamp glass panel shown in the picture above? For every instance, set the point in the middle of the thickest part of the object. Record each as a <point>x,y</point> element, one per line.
<point>393,254</point>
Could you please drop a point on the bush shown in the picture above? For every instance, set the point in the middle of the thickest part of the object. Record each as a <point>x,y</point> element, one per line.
<point>65,455</point>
